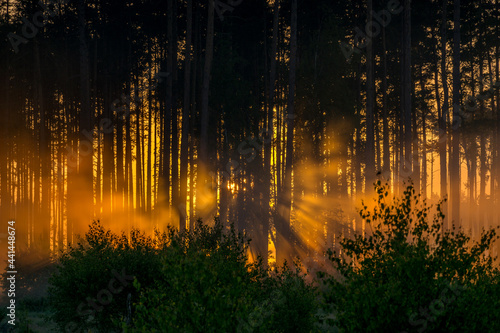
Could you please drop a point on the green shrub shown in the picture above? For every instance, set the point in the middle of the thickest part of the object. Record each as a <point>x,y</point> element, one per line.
<point>206,284</point>
<point>200,285</point>
<point>408,275</point>
<point>293,302</point>
<point>198,280</point>
<point>94,278</point>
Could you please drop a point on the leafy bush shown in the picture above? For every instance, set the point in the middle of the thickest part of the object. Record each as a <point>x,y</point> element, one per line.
<point>94,278</point>
<point>198,280</point>
<point>206,284</point>
<point>293,303</point>
<point>409,275</point>
<point>406,274</point>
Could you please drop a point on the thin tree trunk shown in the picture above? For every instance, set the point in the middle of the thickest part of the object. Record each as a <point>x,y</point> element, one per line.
<point>455,153</point>
<point>42,225</point>
<point>172,48</point>
<point>424,139</point>
<point>107,156</point>
<point>284,233</point>
<point>443,120</point>
<point>129,186</point>
<point>118,193</point>
<point>151,135</point>
<point>415,150</point>
<point>139,192</point>
<point>192,143</point>
<point>186,112</point>
<point>267,147</point>
<point>209,48</point>
<point>85,167</point>
<point>370,100</point>
<point>407,87</point>
<point>167,118</point>
<point>386,144</point>
<point>203,160</point>
<point>482,158</point>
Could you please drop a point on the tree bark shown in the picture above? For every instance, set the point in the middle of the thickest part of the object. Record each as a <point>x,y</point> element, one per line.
<point>386,144</point>
<point>284,232</point>
<point>455,153</point>
<point>269,136</point>
<point>407,87</point>
<point>85,167</point>
<point>370,99</point>
<point>186,112</point>
<point>203,161</point>
<point>443,119</point>
<point>172,80</point>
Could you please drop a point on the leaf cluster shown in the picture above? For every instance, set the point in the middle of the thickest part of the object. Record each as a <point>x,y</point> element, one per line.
<point>393,276</point>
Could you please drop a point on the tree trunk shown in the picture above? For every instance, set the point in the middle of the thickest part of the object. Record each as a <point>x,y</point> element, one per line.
<point>407,86</point>
<point>108,160</point>
<point>85,167</point>
<point>455,153</point>
<point>194,113</point>
<point>139,189</point>
<point>443,119</point>
<point>151,135</point>
<point>386,144</point>
<point>370,99</point>
<point>186,112</point>
<point>129,185</point>
<point>284,232</point>
<point>267,147</point>
<point>41,228</point>
<point>202,183</point>
<point>172,79</point>
<point>483,170</point>
<point>415,148</point>
<point>424,138</point>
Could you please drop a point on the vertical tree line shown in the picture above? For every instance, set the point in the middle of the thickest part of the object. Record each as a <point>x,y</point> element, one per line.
<point>146,113</point>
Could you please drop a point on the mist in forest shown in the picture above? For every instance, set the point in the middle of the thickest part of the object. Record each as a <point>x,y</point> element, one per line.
<point>277,116</point>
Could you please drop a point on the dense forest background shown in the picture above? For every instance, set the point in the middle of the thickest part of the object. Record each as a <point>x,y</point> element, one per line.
<point>273,115</point>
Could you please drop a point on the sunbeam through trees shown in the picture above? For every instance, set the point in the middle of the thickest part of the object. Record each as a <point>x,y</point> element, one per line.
<point>273,117</point>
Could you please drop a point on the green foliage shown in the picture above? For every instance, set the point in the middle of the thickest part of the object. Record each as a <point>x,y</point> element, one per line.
<point>198,280</point>
<point>293,303</point>
<point>206,284</point>
<point>407,274</point>
<point>86,292</point>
